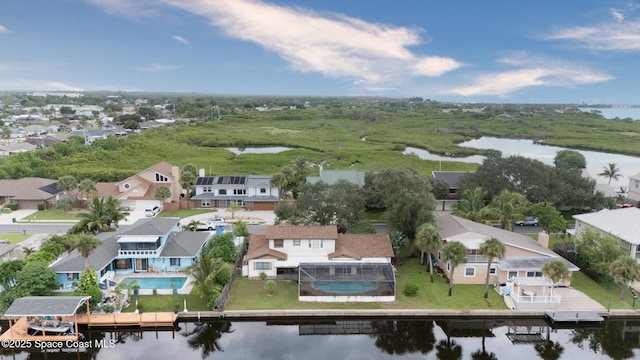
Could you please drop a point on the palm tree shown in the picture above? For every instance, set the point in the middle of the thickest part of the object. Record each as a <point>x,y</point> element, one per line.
<point>507,207</point>
<point>491,248</point>
<point>623,271</point>
<point>233,209</point>
<point>555,270</point>
<point>86,244</point>
<point>455,253</point>
<point>611,171</point>
<point>549,350</point>
<point>67,183</point>
<point>87,187</point>
<point>204,274</point>
<point>162,193</point>
<point>187,180</point>
<point>115,211</point>
<point>428,240</point>
<point>279,181</point>
<point>96,220</point>
<point>472,204</point>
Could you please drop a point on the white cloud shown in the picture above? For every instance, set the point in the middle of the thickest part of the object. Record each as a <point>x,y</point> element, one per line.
<point>337,46</point>
<point>158,67</point>
<point>533,71</point>
<point>4,30</point>
<point>180,39</point>
<point>617,14</point>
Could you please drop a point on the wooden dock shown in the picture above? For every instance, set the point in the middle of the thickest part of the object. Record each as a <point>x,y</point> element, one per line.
<point>115,320</point>
<point>574,317</point>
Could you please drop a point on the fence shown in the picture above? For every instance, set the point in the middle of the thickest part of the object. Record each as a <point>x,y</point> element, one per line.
<point>224,294</point>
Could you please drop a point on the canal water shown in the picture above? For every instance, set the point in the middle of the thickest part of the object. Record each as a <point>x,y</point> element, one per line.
<point>446,338</point>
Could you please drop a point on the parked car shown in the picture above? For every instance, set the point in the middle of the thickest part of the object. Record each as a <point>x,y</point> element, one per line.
<point>211,224</point>
<point>152,211</point>
<point>528,221</point>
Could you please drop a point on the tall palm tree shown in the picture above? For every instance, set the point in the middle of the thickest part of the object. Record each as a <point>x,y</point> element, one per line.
<point>67,183</point>
<point>187,180</point>
<point>472,204</point>
<point>623,271</point>
<point>611,171</point>
<point>428,240</point>
<point>507,207</point>
<point>491,248</point>
<point>204,274</point>
<point>162,193</point>
<point>555,270</point>
<point>95,220</point>
<point>279,181</point>
<point>455,253</point>
<point>86,244</point>
<point>115,211</point>
<point>87,187</point>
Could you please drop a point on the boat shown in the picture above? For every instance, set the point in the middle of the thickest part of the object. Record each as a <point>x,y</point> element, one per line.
<point>50,327</point>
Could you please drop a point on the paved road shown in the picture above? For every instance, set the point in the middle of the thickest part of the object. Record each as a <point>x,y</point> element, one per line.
<point>34,228</point>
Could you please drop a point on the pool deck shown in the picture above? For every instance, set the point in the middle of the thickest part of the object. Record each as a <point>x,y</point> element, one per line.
<point>185,289</point>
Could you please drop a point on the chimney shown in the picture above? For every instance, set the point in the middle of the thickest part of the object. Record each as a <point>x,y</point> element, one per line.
<point>201,172</point>
<point>543,239</point>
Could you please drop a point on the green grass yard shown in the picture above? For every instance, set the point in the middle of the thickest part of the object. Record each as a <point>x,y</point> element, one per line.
<point>14,238</point>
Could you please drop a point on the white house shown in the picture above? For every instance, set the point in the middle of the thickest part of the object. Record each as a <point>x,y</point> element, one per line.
<point>252,191</point>
<point>622,224</point>
<point>633,192</point>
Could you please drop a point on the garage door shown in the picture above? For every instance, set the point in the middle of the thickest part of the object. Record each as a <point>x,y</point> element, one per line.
<point>263,206</point>
<point>143,204</point>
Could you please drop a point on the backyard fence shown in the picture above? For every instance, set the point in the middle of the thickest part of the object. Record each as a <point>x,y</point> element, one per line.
<point>224,294</point>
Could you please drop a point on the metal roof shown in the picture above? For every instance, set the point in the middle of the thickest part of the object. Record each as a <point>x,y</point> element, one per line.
<point>46,306</point>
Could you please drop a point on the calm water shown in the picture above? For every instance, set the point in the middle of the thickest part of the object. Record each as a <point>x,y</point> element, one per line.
<point>365,339</point>
<point>612,113</point>
<point>260,150</point>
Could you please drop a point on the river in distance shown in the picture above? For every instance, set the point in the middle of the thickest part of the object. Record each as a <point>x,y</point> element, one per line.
<point>446,338</point>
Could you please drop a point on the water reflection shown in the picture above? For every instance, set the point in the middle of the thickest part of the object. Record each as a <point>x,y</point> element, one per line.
<point>450,338</point>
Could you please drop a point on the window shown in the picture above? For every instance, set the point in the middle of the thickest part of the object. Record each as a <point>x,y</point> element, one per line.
<point>263,265</point>
<point>239,192</point>
<point>73,276</point>
<point>126,186</point>
<point>207,189</point>
<point>205,203</point>
<point>316,244</point>
<point>534,274</point>
<point>161,178</point>
<point>263,191</point>
<point>278,243</point>
<point>493,270</point>
<point>513,274</point>
<point>296,242</point>
<point>222,192</point>
<point>470,271</point>
<point>174,261</point>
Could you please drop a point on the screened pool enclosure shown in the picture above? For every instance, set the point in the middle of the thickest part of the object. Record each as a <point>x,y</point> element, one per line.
<point>339,282</point>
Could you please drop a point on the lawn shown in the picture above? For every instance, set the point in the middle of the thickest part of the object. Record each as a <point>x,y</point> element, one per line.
<point>183,213</point>
<point>53,214</point>
<point>606,293</point>
<point>250,294</point>
<point>166,303</point>
<point>14,238</point>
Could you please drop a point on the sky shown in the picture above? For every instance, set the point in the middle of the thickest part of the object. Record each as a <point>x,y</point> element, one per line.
<point>506,51</point>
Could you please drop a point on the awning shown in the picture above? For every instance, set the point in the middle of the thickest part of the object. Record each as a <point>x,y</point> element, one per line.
<point>45,306</point>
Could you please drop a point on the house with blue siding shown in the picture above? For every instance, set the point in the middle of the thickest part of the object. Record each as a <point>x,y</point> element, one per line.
<point>149,245</point>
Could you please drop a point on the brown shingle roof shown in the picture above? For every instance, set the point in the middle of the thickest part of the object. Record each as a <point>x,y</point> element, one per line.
<point>357,246</point>
<point>286,231</point>
<point>259,249</point>
<point>27,188</point>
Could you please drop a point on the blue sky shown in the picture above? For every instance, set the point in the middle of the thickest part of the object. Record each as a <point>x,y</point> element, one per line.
<point>471,51</point>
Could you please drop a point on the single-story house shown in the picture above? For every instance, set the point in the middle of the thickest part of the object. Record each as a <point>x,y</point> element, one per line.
<point>622,224</point>
<point>149,245</point>
<point>253,192</point>
<point>333,176</point>
<point>139,191</point>
<point>14,148</point>
<point>520,270</point>
<point>29,192</point>
<point>328,266</point>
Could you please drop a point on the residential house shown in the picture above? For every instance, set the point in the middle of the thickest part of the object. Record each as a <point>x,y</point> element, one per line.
<point>622,224</point>
<point>29,192</point>
<point>633,192</point>
<point>9,251</point>
<point>149,245</point>
<point>328,266</point>
<point>139,191</point>
<point>253,192</point>
<point>521,269</point>
<point>14,148</point>
<point>453,180</point>
<point>333,176</point>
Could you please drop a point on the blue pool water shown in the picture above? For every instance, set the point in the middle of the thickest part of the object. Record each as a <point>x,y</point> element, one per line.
<point>159,282</point>
<point>345,287</point>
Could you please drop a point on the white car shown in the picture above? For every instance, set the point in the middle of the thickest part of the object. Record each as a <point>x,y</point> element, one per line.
<point>211,224</point>
<point>152,211</point>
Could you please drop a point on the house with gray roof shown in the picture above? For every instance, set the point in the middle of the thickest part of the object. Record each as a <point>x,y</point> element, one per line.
<point>149,245</point>
<point>622,224</point>
<point>521,268</point>
<point>333,176</point>
<point>29,192</point>
<point>453,180</point>
<point>253,192</point>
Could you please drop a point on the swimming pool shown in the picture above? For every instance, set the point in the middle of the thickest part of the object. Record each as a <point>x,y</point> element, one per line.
<point>158,282</point>
<point>345,287</point>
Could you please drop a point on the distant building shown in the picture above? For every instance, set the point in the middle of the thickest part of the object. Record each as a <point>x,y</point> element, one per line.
<point>333,176</point>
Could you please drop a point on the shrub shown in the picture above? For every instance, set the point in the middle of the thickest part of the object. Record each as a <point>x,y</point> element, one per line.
<point>13,206</point>
<point>40,206</point>
<point>270,286</point>
<point>411,289</point>
<point>263,276</point>
<point>155,291</point>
